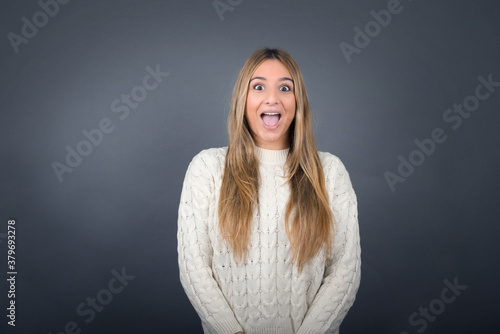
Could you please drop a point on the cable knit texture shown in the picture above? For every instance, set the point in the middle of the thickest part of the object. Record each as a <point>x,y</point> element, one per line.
<point>265,293</point>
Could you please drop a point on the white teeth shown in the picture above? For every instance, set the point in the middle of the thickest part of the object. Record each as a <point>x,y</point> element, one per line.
<point>270,113</point>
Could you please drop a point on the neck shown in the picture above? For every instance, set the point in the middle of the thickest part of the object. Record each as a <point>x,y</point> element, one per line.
<point>272,156</point>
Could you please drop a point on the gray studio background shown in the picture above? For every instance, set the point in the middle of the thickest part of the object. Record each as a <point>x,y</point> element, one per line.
<point>115,214</point>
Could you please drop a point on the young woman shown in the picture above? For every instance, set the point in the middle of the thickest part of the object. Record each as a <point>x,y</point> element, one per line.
<point>268,236</point>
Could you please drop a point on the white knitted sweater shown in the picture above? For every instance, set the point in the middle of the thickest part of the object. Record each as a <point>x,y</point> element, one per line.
<point>265,294</point>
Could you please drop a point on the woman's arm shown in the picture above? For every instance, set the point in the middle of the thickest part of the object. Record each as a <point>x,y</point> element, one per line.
<point>195,250</point>
<point>343,270</point>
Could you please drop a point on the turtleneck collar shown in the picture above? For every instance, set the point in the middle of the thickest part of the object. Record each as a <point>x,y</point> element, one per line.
<point>272,156</point>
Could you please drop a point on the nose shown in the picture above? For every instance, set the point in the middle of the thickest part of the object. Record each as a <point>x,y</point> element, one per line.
<point>271,97</point>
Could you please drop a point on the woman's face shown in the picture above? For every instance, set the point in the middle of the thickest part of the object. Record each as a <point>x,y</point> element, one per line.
<point>270,105</point>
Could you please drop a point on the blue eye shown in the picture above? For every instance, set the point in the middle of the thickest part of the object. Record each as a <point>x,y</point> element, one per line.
<point>258,87</point>
<point>285,88</point>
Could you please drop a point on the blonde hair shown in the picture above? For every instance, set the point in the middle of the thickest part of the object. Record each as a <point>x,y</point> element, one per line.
<point>308,217</point>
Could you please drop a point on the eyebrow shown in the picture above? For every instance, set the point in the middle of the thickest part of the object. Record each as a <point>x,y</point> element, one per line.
<point>280,79</point>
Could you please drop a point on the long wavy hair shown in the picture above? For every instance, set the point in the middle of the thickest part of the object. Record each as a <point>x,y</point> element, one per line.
<point>308,217</point>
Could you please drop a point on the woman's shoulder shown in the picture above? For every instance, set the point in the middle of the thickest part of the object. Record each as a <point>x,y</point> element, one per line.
<point>210,157</point>
<point>331,162</point>
<point>214,152</point>
<point>337,177</point>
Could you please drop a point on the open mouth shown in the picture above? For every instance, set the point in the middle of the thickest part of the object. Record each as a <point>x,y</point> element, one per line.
<point>270,119</point>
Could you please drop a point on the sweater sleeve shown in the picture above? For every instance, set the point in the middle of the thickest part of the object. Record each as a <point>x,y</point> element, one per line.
<point>195,249</point>
<point>343,269</point>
